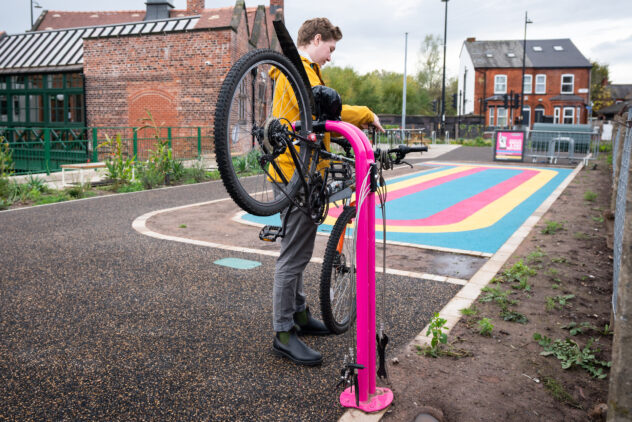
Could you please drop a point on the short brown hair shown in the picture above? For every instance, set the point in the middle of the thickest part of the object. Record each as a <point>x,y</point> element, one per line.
<point>321,26</point>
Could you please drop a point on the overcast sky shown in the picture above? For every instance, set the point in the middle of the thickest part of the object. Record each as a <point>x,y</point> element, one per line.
<point>374,29</point>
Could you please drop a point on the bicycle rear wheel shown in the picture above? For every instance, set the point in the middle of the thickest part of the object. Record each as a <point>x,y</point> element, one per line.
<point>261,86</point>
<point>338,275</point>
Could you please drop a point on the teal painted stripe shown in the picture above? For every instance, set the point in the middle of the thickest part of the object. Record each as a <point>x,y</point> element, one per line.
<point>238,263</point>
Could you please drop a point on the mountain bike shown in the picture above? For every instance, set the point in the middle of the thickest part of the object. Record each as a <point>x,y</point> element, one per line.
<point>256,143</point>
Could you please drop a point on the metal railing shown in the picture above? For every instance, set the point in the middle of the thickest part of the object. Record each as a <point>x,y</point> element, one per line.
<point>394,137</point>
<point>39,150</point>
<point>551,146</point>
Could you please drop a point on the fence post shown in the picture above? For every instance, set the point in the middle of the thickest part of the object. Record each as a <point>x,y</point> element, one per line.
<point>199,139</point>
<point>95,145</point>
<point>169,136</point>
<point>135,142</point>
<point>47,150</point>
<point>620,391</point>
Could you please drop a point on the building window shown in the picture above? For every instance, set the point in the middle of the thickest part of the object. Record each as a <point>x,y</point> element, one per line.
<point>19,108</point>
<point>500,84</point>
<point>526,115</point>
<point>502,117</point>
<point>569,115</point>
<point>56,81</point>
<point>528,85</point>
<point>579,114</point>
<point>568,83</point>
<point>4,109</point>
<point>36,108</point>
<point>539,114</point>
<point>491,116</point>
<point>75,108</point>
<point>42,100</point>
<point>56,108</point>
<point>556,115</point>
<point>36,82</point>
<point>18,82</point>
<point>540,84</point>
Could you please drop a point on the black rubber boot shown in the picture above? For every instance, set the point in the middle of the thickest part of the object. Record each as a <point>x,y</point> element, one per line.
<point>312,327</point>
<point>297,351</point>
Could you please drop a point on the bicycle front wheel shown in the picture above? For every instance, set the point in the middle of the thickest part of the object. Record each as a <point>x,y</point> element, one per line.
<point>338,275</point>
<point>261,87</point>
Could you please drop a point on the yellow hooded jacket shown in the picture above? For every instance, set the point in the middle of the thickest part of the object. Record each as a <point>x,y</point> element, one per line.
<point>285,105</point>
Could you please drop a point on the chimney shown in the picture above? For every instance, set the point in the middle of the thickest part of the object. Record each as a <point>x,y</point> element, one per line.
<point>158,9</point>
<point>275,5</point>
<point>470,39</point>
<point>195,7</point>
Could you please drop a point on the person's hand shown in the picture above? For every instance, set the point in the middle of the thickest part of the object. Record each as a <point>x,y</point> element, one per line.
<point>376,123</point>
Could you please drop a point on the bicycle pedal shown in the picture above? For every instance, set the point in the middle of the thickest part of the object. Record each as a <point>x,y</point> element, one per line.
<point>270,233</point>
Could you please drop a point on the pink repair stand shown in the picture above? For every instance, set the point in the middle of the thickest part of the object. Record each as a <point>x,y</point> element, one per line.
<point>371,399</point>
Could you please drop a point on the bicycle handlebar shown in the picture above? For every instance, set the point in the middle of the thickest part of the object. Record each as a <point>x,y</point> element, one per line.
<point>404,149</point>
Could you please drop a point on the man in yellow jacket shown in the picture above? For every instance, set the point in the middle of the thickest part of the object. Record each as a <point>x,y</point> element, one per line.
<point>317,40</point>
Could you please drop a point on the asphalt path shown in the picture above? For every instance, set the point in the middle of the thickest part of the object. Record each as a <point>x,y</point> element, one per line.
<point>98,322</point>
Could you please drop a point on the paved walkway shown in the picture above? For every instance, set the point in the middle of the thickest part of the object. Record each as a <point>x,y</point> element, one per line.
<point>99,322</point>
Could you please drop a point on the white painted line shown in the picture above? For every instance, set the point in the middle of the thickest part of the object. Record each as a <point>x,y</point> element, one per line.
<point>472,289</point>
<point>238,218</point>
<point>140,225</point>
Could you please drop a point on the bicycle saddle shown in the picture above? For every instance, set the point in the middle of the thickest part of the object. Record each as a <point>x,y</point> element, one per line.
<point>327,103</point>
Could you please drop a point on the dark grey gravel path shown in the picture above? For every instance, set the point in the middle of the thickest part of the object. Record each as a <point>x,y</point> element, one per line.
<point>98,322</point>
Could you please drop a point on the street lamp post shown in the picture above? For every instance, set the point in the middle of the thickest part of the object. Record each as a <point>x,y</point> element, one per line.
<point>37,6</point>
<point>404,88</point>
<point>445,32</point>
<point>524,54</point>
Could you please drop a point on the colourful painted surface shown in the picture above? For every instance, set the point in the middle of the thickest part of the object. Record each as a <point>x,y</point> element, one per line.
<point>467,207</point>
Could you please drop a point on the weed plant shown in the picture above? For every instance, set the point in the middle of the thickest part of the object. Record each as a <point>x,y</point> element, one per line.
<point>552,227</point>
<point>571,355</point>
<point>590,196</point>
<point>485,327</point>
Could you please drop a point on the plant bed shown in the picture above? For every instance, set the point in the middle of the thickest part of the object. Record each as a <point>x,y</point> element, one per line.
<point>537,342</point>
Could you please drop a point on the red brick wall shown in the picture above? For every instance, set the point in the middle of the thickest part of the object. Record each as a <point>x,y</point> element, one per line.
<point>484,88</point>
<point>126,75</point>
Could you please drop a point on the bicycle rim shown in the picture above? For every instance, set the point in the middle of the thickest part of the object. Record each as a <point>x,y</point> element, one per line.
<point>246,103</point>
<point>338,275</point>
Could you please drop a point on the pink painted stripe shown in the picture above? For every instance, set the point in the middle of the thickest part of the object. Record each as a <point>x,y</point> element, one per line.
<point>458,212</point>
<point>395,194</point>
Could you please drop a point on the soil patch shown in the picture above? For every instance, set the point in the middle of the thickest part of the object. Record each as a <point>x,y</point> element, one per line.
<point>505,377</point>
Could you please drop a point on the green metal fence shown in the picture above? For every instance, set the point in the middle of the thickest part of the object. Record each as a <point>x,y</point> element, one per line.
<point>39,150</point>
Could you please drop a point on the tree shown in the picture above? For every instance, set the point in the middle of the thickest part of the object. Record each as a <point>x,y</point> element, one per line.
<point>600,93</point>
<point>430,71</point>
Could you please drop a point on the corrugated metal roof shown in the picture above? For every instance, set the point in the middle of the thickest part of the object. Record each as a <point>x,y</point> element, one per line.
<point>63,49</point>
<point>556,53</point>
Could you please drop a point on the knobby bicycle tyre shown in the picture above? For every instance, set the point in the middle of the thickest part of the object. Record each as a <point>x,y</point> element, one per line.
<point>246,100</point>
<point>338,275</point>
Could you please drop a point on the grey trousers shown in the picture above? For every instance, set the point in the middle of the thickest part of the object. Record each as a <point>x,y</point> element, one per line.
<point>296,251</point>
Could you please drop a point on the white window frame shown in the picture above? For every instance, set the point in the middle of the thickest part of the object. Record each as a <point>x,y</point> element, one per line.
<point>572,84</point>
<point>578,115</point>
<point>571,117</point>
<point>491,116</point>
<point>498,84</point>
<point>542,83</point>
<point>528,87</point>
<point>556,115</point>
<point>501,120</point>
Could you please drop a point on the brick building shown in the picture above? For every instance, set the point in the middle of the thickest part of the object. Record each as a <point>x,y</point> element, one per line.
<point>556,81</point>
<point>78,69</point>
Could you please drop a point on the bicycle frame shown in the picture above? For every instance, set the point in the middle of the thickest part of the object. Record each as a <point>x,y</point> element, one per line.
<point>371,399</point>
